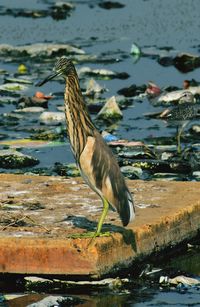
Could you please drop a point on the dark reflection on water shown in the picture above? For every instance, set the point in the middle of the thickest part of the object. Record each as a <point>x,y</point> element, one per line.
<point>139,291</point>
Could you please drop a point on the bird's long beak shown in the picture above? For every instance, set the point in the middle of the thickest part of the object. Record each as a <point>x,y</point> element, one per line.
<point>48,78</point>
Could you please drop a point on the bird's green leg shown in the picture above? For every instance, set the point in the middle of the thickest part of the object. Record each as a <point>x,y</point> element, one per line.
<point>97,233</point>
<point>103,216</point>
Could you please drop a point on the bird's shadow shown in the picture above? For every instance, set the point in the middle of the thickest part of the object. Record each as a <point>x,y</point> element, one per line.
<point>84,223</point>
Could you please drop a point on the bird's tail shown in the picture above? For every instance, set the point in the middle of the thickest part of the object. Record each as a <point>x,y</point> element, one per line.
<point>123,200</point>
<point>131,207</point>
<point>126,209</point>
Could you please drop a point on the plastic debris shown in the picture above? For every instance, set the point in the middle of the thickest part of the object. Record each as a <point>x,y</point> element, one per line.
<point>42,95</point>
<point>13,87</point>
<point>187,281</point>
<point>110,282</point>
<point>108,137</point>
<point>22,69</point>
<point>52,117</point>
<point>110,110</point>
<point>94,88</point>
<point>135,49</point>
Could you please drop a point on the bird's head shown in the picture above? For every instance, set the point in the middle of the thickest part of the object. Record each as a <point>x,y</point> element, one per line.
<point>62,67</point>
<point>187,97</point>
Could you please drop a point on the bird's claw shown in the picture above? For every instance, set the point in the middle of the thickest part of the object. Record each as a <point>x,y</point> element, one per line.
<point>89,234</point>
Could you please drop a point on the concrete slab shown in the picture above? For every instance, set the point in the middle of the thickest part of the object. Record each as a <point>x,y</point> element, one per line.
<point>38,213</point>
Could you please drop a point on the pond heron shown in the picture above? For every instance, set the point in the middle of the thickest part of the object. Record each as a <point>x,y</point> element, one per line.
<point>94,158</point>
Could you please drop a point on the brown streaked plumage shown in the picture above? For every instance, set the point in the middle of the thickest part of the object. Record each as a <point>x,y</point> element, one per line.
<point>95,159</point>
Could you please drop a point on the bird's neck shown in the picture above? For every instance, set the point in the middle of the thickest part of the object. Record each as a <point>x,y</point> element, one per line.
<point>79,124</point>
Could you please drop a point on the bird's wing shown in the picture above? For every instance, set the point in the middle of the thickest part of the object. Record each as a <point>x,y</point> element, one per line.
<point>102,173</point>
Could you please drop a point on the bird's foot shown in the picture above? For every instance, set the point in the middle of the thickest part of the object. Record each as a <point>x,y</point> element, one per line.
<point>89,234</point>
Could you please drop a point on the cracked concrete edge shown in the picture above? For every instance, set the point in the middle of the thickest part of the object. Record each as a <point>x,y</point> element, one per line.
<point>74,257</point>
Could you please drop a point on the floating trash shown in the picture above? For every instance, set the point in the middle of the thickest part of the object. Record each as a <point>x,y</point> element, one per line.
<point>184,280</point>
<point>108,137</point>
<point>136,50</point>
<point>39,50</point>
<point>131,172</point>
<point>110,110</point>
<point>28,143</point>
<point>22,69</point>
<point>93,88</point>
<point>102,73</point>
<point>52,117</point>
<point>50,135</point>
<point>30,110</point>
<point>33,283</point>
<point>18,80</point>
<point>13,87</point>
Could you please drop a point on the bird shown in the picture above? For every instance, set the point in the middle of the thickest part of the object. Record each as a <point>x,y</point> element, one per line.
<point>182,114</point>
<point>96,161</point>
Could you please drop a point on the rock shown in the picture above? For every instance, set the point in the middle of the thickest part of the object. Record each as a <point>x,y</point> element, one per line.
<point>137,152</point>
<point>111,5</point>
<point>50,135</point>
<point>193,157</point>
<point>13,87</point>
<point>166,176</point>
<point>123,102</point>
<point>166,156</point>
<point>135,50</point>
<point>132,90</point>
<point>30,110</point>
<point>26,101</point>
<point>52,117</point>
<point>8,100</point>
<point>179,280</point>
<point>102,73</point>
<point>10,158</point>
<point>70,170</point>
<point>131,172</point>
<point>196,175</point>
<point>56,301</point>
<point>39,50</point>
<point>18,80</point>
<point>128,91</point>
<point>60,10</point>
<point>3,136</point>
<point>95,106</point>
<point>195,129</point>
<point>159,166</point>
<point>110,110</point>
<point>93,88</point>
<point>166,148</point>
<point>186,62</point>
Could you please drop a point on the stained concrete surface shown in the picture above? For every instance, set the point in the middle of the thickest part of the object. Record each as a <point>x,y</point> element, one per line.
<point>38,214</point>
